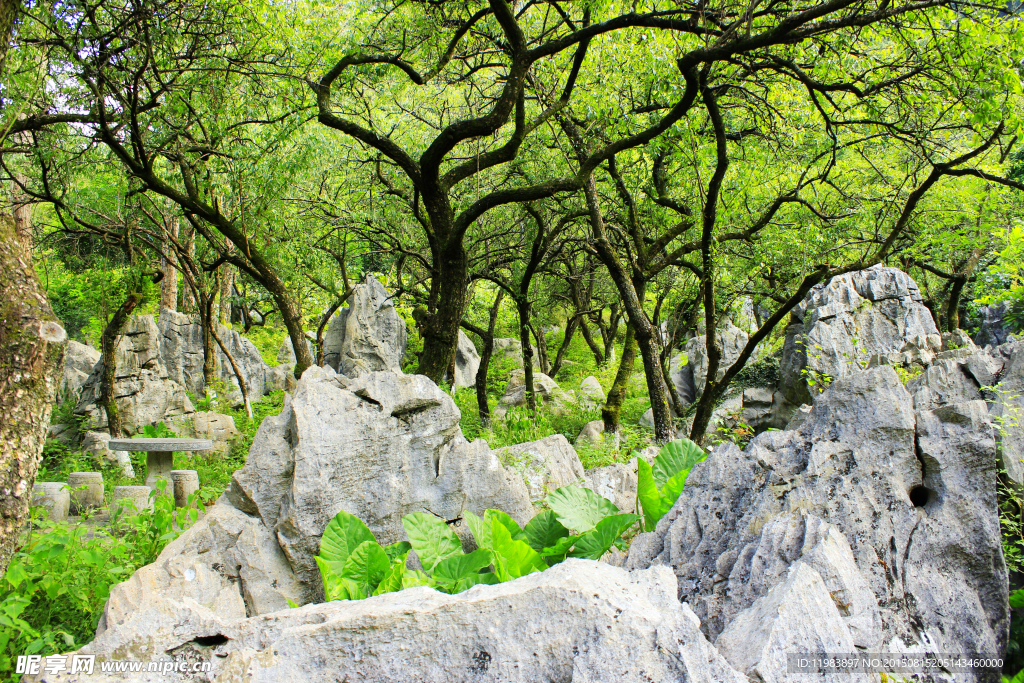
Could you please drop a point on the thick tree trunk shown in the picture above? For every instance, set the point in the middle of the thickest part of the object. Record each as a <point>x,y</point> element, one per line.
<point>570,330</point>
<point>440,327</point>
<point>953,305</point>
<point>169,284</point>
<point>523,307</point>
<point>617,394</point>
<point>108,347</point>
<point>32,346</point>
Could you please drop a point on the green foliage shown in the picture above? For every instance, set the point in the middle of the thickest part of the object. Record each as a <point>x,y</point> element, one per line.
<point>659,487</point>
<point>354,566</point>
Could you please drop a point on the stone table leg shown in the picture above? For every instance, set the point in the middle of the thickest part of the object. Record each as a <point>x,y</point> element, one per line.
<point>158,466</point>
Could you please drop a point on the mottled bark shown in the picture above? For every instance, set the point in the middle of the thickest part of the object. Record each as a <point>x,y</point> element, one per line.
<point>32,346</point>
<point>108,347</point>
<point>169,284</point>
<point>523,308</point>
<point>227,285</point>
<point>570,330</point>
<point>617,394</point>
<point>483,408</point>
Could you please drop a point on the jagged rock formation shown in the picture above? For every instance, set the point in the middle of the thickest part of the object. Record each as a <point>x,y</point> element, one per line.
<point>144,390</point>
<point>842,324</point>
<point>545,464</point>
<point>991,328</point>
<point>181,352</point>
<point>467,362</point>
<point>893,508</point>
<point>367,335</point>
<point>79,362</point>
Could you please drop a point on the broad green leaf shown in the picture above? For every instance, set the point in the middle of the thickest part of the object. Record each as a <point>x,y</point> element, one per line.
<point>366,566</point>
<point>557,552</point>
<point>513,558</point>
<point>513,527</point>
<point>459,567</point>
<point>674,457</point>
<point>596,542</point>
<point>416,578</point>
<point>431,538</point>
<point>544,530</point>
<point>343,534</point>
<point>480,529</point>
<point>393,578</point>
<point>648,495</point>
<point>1017,598</point>
<point>335,586</point>
<point>486,578</point>
<point>580,509</point>
<point>396,550</point>
<point>671,490</point>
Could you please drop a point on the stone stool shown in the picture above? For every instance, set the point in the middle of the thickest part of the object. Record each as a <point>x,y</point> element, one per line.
<point>138,495</point>
<point>185,483</point>
<point>55,496</point>
<point>91,496</point>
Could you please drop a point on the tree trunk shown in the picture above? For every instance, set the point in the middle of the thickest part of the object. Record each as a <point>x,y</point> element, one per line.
<point>321,329</point>
<point>227,284</point>
<point>542,349</point>
<point>570,330</point>
<point>617,394</point>
<point>243,386</point>
<point>523,307</point>
<point>169,284</point>
<point>599,357</point>
<point>108,347</point>
<point>953,305</point>
<point>32,346</point>
<point>440,327</point>
<point>188,300</point>
<point>206,319</point>
<point>483,407</point>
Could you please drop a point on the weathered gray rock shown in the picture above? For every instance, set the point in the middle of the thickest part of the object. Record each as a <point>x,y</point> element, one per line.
<point>580,620</point>
<point>467,362</point>
<point>732,340</point>
<point>286,354</point>
<point>281,378</point>
<point>991,329</point>
<point>545,465</point>
<point>916,527</point>
<point>380,446</point>
<point>546,390</point>
<point>79,361</point>
<point>508,350</point>
<point>616,482</point>
<point>590,388</point>
<point>796,616</point>
<point>143,390</point>
<point>367,335</point>
<point>97,444</point>
<point>842,324</point>
<point>593,434</point>
<point>216,427</point>
<point>181,352</point>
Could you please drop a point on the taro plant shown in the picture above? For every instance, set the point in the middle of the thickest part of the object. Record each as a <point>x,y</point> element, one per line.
<point>580,523</point>
<point>659,487</point>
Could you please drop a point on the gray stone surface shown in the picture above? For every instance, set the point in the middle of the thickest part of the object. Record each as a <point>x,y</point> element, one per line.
<point>286,354</point>
<point>467,362</point>
<point>55,496</point>
<point>181,351</point>
<point>367,335</point>
<point>590,388</point>
<point>581,621</point>
<point>281,378</point>
<point>215,427</point>
<point>616,482</point>
<point>913,493</point>
<point>79,361</point>
<point>153,445</point>
<point>545,465</point>
<point>991,330</point>
<point>843,323</point>
<point>732,340</point>
<point>144,391</point>
<point>546,390</point>
<point>593,434</point>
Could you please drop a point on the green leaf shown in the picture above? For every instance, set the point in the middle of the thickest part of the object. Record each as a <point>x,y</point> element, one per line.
<point>648,495</point>
<point>557,552</point>
<point>393,579</point>
<point>343,534</point>
<point>513,558</point>
<point>431,538</point>
<point>580,509</point>
<point>335,586</point>
<point>544,530</point>
<point>366,566</point>
<point>1016,598</point>
<point>486,578</point>
<point>480,529</point>
<point>398,550</point>
<point>674,457</point>
<point>596,542</point>
<point>513,527</point>
<point>454,569</point>
<point>416,578</point>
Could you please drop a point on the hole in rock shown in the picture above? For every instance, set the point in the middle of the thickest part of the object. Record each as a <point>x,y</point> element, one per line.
<point>919,496</point>
<point>210,641</point>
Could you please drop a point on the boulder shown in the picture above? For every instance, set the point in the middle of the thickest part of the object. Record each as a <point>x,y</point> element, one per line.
<point>580,620</point>
<point>510,350</point>
<point>181,352</point>
<point>546,390</point>
<point>217,427</point>
<point>97,445</point>
<point>593,434</point>
<point>590,388</point>
<point>367,335</point>
<point>79,361</point>
<point>379,447</point>
<point>545,464</point>
<point>286,354</point>
<point>616,482</point>
<point>281,378</point>
<point>467,362</point>
<point>144,392</point>
<point>911,493</point>
<point>841,324</point>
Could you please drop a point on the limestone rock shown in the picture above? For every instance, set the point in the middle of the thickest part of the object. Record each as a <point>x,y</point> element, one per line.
<point>732,340</point>
<point>580,620</point>
<point>97,445</point>
<point>545,465</point>
<point>616,482</point>
<point>367,335</point>
<point>591,389</point>
<point>380,446</point>
<point>991,329</point>
<point>797,616</point>
<point>79,361</point>
<point>593,434</point>
<point>286,354</point>
<point>467,362</point>
<point>915,526</point>
<point>281,378</point>
<point>217,427</point>
<point>843,323</point>
<point>546,390</point>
